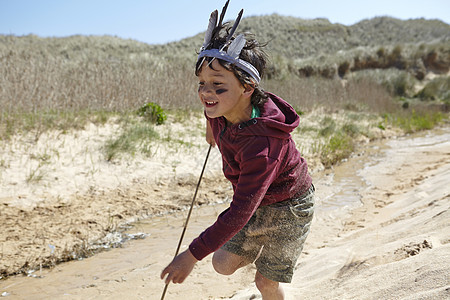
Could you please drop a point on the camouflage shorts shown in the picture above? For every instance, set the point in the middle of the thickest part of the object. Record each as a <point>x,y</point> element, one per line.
<point>273,238</point>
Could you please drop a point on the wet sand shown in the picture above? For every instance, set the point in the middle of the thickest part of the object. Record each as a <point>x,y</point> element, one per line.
<point>381,233</point>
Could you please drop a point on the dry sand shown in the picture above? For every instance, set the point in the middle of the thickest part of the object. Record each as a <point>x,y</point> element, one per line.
<point>392,244</point>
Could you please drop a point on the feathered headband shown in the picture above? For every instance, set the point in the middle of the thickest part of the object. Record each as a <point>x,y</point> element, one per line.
<point>234,47</point>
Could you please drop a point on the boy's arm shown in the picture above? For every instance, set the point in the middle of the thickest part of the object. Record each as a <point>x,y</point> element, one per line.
<point>254,180</point>
<point>209,135</point>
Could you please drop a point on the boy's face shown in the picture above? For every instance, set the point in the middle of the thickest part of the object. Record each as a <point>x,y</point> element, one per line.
<point>222,94</point>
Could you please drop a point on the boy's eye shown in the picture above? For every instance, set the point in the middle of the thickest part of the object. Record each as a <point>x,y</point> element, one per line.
<point>217,83</point>
<point>201,83</point>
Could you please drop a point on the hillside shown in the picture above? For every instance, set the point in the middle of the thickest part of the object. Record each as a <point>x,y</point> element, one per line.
<point>285,36</point>
<point>114,74</point>
<point>298,38</point>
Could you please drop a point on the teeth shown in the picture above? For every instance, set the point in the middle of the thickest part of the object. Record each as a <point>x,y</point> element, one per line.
<point>210,103</point>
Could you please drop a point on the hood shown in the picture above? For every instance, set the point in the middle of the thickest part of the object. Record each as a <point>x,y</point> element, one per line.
<point>278,119</point>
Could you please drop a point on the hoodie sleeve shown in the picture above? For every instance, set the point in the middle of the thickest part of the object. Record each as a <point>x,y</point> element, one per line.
<point>257,173</point>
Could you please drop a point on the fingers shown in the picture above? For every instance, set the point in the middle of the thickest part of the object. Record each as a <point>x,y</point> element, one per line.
<point>211,142</point>
<point>180,268</point>
<point>170,278</point>
<point>178,279</point>
<point>163,274</point>
<point>172,275</point>
<point>169,274</point>
<point>175,279</point>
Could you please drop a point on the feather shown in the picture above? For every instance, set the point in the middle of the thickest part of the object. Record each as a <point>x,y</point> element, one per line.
<point>210,62</point>
<point>235,25</point>
<point>211,25</point>
<point>222,14</point>
<point>236,46</point>
<point>200,65</point>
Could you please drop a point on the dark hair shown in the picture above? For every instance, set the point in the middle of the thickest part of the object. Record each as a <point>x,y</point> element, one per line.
<point>252,53</point>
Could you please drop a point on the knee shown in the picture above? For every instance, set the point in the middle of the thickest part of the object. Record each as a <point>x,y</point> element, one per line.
<point>222,264</point>
<point>265,285</point>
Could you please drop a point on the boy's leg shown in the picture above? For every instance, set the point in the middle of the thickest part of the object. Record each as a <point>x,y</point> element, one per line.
<point>226,263</point>
<point>270,290</point>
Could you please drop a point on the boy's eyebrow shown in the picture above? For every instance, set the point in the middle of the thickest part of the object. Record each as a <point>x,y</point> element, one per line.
<point>217,75</point>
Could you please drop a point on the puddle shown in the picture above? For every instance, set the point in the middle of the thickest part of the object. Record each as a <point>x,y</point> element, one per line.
<point>340,187</point>
<point>143,259</point>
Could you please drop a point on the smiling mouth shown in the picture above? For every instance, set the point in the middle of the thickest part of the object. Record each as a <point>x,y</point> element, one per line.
<point>210,103</point>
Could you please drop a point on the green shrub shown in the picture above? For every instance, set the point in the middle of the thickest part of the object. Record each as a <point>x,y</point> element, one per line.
<point>135,138</point>
<point>417,120</point>
<point>438,88</point>
<point>299,112</point>
<point>329,126</point>
<point>339,147</point>
<point>153,113</point>
<point>402,84</point>
<point>351,129</point>
<point>381,52</point>
<point>396,82</point>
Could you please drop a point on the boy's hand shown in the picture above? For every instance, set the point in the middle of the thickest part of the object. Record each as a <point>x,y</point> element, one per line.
<point>209,135</point>
<point>180,267</point>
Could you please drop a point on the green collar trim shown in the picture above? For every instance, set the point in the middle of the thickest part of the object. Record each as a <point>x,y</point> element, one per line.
<point>256,113</point>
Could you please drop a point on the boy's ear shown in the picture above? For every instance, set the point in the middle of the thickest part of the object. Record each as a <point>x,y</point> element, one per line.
<point>248,90</point>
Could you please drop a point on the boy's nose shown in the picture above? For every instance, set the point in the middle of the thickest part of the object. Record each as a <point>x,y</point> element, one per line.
<point>206,89</point>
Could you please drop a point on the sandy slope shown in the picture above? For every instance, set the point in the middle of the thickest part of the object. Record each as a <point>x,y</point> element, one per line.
<point>395,245</point>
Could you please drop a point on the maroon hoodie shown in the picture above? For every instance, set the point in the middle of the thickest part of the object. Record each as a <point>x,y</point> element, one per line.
<point>262,163</point>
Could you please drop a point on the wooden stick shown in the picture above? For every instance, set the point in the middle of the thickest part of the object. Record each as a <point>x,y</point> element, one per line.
<point>188,216</point>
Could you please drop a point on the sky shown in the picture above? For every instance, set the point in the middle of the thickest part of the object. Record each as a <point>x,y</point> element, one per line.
<point>162,21</point>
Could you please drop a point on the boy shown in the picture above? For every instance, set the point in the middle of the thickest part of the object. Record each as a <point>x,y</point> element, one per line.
<point>273,202</point>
